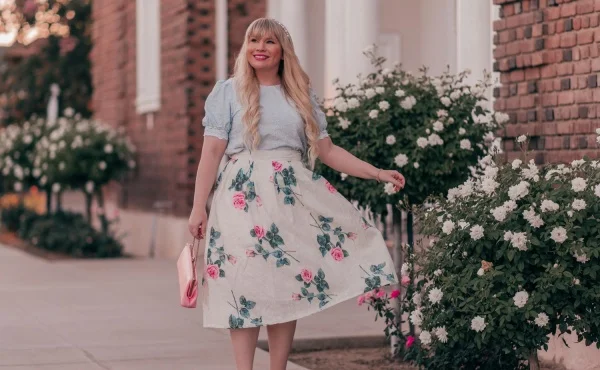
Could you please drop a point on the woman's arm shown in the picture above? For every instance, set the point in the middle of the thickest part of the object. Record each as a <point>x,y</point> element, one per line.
<point>341,160</point>
<point>212,152</point>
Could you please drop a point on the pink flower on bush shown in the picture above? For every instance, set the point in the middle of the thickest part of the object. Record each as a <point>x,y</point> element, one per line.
<point>337,253</point>
<point>259,231</point>
<point>296,297</point>
<point>410,340</point>
<point>368,295</point>
<point>212,271</point>
<point>330,187</point>
<point>361,300</point>
<point>405,280</point>
<point>231,259</point>
<point>277,166</point>
<point>380,293</point>
<point>395,294</point>
<point>239,200</point>
<point>307,275</point>
<point>250,253</point>
<point>352,236</point>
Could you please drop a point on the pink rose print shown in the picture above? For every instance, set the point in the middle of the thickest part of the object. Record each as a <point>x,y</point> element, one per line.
<point>260,232</point>
<point>239,200</point>
<point>337,253</point>
<point>271,179</point>
<point>368,295</point>
<point>380,293</point>
<point>352,236</point>
<point>296,297</point>
<point>409,341</point>
<point>405,280</point>
<point>258,201</point>
<point>250,253</point>
<point>307,275</point>
<point>212,271</point>
<point>277,166</point>
<point>232,259</point>
<point>361,300</point>
<point>330,187</point>
<point>395,294</point>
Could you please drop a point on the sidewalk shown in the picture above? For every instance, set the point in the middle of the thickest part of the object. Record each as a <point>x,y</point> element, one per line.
<point>124,315</point>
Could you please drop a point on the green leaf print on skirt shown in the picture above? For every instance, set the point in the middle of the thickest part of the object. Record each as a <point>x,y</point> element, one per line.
<point>275,242</point>
<point>325,241</point>
<point>216,257</point>
<point>242,196</point>
<point>306,276</point>
<point>373,279</point>
<point>242,313</point>
<point>287,177</point>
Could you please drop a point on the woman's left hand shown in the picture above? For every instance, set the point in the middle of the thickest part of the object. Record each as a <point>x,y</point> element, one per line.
<point>394,177</point>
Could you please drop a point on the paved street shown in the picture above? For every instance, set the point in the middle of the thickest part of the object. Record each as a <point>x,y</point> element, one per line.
<point>123,315</point>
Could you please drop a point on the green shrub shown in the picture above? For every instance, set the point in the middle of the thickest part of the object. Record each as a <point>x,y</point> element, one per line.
<point>12,217</point>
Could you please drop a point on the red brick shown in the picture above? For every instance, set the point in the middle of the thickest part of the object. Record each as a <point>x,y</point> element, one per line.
<point>549,71</point>
<point>560,26</point>
<point>568,40</point>
<point>584,96</point>
<point>585,52</point>
<point>563,128</point>
<point>546,86</point>
<point>532,74</point>
<point>596,95</point>
<point>512,22</point>
<point>499,24</point>
<point>512,103</point>
<point>594,21</point>
<point>513,48</point>
<point>516,76</point>
<point>522,88</point>
<point>552,42</point>
<point>499,52</point>
<point>564,69</point>
<point>551,28</point>
<point>527,46</point>
<point>549,128</point>
<point>508,10</point>
<point>568,10</point>
<point>527,101</point>
<point>536,30</point>
<point>566,97</point>
<point>583,66</point>
<point>577,24</point>
<point>585,22</point>
<point>585,6</point>
<point>597,5</point>
<point>520,33</point>
<point>585,37</point>
<point>551,14</point>
<point>595,65</point>
<point>549,100</point>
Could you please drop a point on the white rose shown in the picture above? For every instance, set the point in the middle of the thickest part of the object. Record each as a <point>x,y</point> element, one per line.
<point>401,160</point>
<point>416,165</point>
<point>578,204</point>
<point>438,126</point>
<point>542,320</point>
<point>389,189</point>
<point>465,144</point>
<point>369,93</point>
<point>559,234</point>
<point>435,139</point>
<point>384,105</point>
<point>56,187</point>
<point>442,113</point>
<point>18,186</point>
<point>425,337</point>
<point>408,102</point>
<point>422,142</point>
<point>478,324</point>
<point>519,241</point>
<point>462,131</point>
<point>480,272</point>
<point>447,227</point>
<point>435,295</point>
<point>390,140</point>
<point>379,90</point>
<point>520,299</point>
<point>416,317</point>
<point>446,101</point>
<point>499,213</point>
<point>441,334</point>
<point>89,187</point>
<point>578,184</point>
<point>102,165</point>
<point>374,113</point>
<point>400,93</point>
<point>344,123</point>
<point>353,103</point>
<point>516,164</point>
<point>548,206</point>
<point>522,139</point>
<point>476,232</point>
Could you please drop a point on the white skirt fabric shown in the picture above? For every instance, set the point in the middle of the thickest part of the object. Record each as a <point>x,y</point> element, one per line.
<point>282,244</point>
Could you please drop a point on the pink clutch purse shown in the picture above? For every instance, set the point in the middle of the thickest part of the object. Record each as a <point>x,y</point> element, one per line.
<point>188,279</point>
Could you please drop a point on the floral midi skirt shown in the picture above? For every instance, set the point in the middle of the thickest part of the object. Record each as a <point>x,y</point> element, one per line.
<point>282,244</point>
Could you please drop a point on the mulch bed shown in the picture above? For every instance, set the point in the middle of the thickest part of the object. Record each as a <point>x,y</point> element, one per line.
<point>360,359</point>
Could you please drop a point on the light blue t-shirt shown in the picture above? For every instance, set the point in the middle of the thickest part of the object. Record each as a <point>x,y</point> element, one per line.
<point>280,124</point>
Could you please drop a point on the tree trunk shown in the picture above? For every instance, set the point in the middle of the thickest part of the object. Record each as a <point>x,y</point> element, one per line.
<point>88,207</point>
<point>48,202</point>
<point>398,260</point>
<point>59,201</point>
<point>534,363</point>
<point>411,249</point>
<point>102,216</point>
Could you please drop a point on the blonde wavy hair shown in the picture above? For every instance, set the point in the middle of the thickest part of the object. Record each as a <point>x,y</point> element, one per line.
<point>294,82</point>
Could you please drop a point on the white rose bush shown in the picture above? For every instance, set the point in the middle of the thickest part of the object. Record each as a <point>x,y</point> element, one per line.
<point>515,258</point>
<point>431,129</point>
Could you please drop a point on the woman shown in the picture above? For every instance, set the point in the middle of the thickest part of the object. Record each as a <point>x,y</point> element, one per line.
<point>281,242</point>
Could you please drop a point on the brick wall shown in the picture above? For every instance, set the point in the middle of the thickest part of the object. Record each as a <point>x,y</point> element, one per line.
<point>168,154</point>
<point>547,53</point>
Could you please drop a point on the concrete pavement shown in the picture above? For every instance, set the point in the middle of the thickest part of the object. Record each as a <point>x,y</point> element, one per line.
<point>124,315</point>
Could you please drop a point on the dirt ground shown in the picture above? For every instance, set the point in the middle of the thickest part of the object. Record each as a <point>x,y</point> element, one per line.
<point>359,359</point>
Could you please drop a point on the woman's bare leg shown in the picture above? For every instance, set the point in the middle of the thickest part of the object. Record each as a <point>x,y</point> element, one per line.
<point>280,343</point>
<point>244,346</point>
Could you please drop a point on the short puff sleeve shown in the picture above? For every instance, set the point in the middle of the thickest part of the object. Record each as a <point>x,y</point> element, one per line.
<point>217,111</point>
<point>319,115</point>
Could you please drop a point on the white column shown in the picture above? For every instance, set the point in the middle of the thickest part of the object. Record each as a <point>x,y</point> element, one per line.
<point>474,30</point>
<point>335,45</point>
<point>273,9</point>
<point>222,44</point>
<point>294,18</point>
<point>438,35</point>
<point>361,30</point>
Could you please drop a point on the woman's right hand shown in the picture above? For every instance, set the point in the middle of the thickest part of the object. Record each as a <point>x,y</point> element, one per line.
<point>197,222</point>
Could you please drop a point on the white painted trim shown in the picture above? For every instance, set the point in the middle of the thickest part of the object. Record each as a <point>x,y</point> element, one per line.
<point>147,56</point>
<point>458,20</point>
<point>222,43</point>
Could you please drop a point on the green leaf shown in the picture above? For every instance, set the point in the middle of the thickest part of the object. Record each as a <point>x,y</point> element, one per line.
<point>326,227</point>
<point>278,240</point>
<point>253,233</point>
<point>510,254</point>
<point>321,274</point>
<point>346,254</point>
<point>287,191</point>
<point>277,254</point>
<point>250,304</point>
<point>323,251</point>
<point>299,277</point>
<point>342,238</point>
<point>304,292</point>
<point>322,240</point>
<point>232,322</point>
<point>243,300</point>
<point>289,200</point>
<point>245,313</point>
<point>322,303</point>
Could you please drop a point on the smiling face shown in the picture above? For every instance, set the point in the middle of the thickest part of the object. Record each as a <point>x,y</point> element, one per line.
<point>264,52</point>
